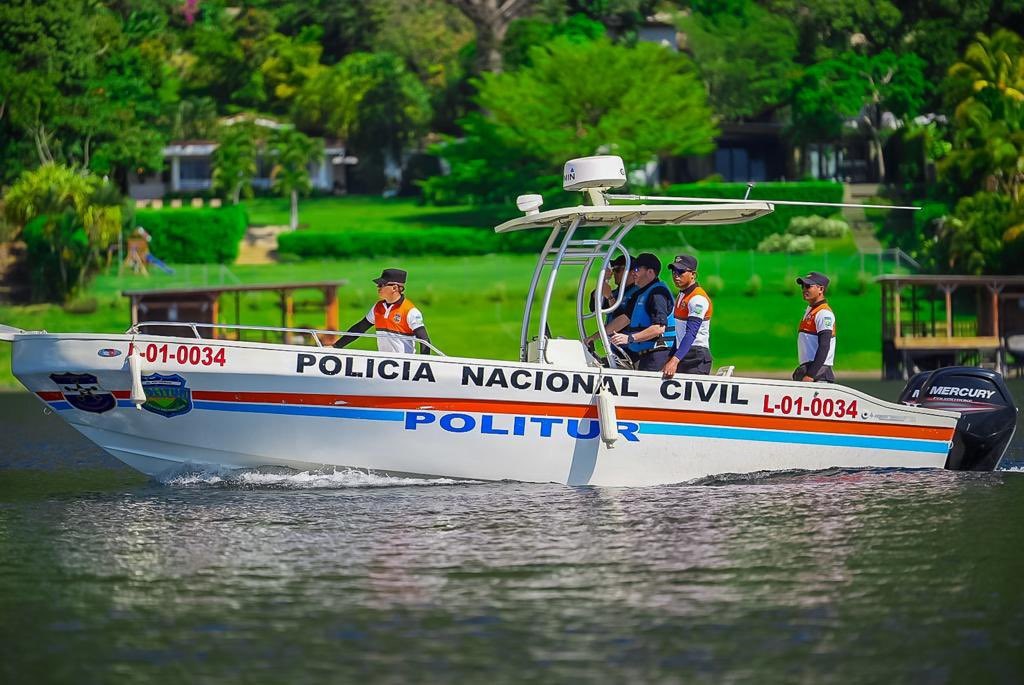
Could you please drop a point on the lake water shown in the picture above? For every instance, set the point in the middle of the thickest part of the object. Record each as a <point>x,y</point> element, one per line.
<point>871,576</point>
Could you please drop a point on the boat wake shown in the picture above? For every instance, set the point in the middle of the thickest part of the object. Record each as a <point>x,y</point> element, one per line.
<point>278,478</point>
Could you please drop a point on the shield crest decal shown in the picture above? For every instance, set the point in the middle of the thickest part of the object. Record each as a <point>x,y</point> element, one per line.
<point>82,391</point>
<point>167,395</point>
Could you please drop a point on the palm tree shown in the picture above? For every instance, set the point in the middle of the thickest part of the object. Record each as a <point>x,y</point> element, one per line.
<point>995,62</point>
<point>293,152</point>
<point>234,160</point>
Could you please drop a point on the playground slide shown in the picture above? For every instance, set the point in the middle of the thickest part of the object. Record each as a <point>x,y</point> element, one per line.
<point>158,263</point>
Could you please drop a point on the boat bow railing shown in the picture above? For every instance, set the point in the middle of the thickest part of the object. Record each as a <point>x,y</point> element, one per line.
<point>313,333</point>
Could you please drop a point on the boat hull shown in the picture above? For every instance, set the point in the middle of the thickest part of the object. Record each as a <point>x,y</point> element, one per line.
<point>232,404</point>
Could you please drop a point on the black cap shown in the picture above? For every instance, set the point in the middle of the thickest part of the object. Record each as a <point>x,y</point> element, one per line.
<point>621,260</point>
<point>391,276</point>
<point>814,278</point>
<point>647,260</point>
<point>684,262</point>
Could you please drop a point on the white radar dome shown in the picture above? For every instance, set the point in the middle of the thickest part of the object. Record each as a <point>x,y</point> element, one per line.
<point>601,171</point>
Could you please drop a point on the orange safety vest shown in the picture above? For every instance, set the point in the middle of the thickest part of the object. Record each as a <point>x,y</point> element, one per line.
<point>682,310</point>
<point>394,318</point>
<point>807,323</point>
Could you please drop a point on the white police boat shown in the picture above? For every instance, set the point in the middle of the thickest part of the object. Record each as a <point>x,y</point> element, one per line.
<point>161,402</point>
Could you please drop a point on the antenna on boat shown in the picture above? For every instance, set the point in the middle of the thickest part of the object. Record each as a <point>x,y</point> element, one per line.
<point>594,176</point>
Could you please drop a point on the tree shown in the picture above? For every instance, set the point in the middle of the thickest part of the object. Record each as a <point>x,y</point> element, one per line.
<point>744,77</point>
<point>368,100</point>
<point>860,88</point>
<point>75,217</point>
<point>491,19</point>
<point>234,160</point>
<point>293,152</point>
<point>561,107</point>
<point>989,63</point>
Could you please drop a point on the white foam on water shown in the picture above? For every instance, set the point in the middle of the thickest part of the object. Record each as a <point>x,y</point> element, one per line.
<point>298,480</point>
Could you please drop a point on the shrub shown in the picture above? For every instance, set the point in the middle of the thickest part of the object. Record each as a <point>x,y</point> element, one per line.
<point>786,242</point>
<point>818,226</point>
<point>861,283</point>
<point>194,236</point>
<point>747,235</point>
<point>82,305</point>
<point>788,285</point>
<point>713,284</point>
<point>753,287</point>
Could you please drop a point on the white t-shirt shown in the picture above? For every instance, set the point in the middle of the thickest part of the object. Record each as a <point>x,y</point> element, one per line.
<point>389,341</point>
<point>697,306</point>
<point>807,343</point>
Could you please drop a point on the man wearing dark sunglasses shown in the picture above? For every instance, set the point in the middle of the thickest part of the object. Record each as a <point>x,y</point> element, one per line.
<point>816,337</point>
<point>397,320</point>
<point>644,325</point>
<point>693,321</point>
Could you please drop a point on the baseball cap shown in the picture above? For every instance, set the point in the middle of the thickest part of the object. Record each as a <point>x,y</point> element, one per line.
<point>814,278</point>
<point>391,276</point>
<point>684,262</point>
<point>647,260</point>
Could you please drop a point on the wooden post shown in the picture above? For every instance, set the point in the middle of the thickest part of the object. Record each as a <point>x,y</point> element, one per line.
<point>995,289</point>
<point>287,309</point>
<point>331,320</point>
<point>215,316</point>
<point>948,290</point>
<point>896,311</point>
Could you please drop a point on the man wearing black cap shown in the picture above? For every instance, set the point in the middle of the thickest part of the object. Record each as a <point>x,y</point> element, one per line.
<point>619,274</point>
<point>648,329</point>
<point>397,320</point>
<point>816,339</point>
<point>693,321</point>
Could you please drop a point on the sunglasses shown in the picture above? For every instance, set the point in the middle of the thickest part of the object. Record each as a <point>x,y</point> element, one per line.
<point>386,285</point>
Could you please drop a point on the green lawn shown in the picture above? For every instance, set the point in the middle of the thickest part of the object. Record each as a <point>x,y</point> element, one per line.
<point>370,213</point>
<point>473,305</point>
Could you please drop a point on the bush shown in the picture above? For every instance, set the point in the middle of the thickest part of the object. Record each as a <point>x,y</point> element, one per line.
<point>786,242</point>
<point>861,283</point>
<point>714,285</point>
<point>754,285</point>
<point>748,235</point>
<point>82,305</point>
<point>788,285</point>
<point>194,236</point>
<point>818,226</point>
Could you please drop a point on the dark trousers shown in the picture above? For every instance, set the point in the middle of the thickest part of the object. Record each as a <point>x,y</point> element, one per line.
<point>653,360</point>
<point>825,374</point>
<point>696,360</point>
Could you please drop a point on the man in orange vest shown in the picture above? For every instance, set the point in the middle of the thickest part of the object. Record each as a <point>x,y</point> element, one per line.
<point>816,339</point>
<point>397,320</point>
<point>693,321</point>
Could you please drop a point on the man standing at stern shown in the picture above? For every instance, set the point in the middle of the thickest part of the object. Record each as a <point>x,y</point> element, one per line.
<point>816,340</point>
<point>397,320</point>
<point>693,321</point>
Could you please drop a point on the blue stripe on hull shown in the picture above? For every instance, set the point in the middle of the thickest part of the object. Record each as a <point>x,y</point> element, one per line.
<point>792,437</point>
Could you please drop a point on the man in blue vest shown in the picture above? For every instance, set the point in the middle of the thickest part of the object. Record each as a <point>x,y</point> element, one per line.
<point>644,324</point>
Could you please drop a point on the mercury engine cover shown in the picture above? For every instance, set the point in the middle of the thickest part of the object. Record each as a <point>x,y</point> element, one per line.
<point>988,416</point>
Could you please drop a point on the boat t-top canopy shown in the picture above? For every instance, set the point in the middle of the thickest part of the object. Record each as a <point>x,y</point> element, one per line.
<point>647,215</point>
<point>594,176</point>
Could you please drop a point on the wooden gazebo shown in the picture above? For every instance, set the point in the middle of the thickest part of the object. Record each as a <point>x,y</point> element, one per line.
<point>203,304</point>
<point>938,320</point>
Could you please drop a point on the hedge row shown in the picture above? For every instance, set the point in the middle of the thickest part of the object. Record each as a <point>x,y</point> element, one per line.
<point>747,236</point>
<point>194,236</point>
<point>423,241</point>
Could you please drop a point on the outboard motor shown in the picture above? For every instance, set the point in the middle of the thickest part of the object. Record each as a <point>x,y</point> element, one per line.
<point>988,416</point>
